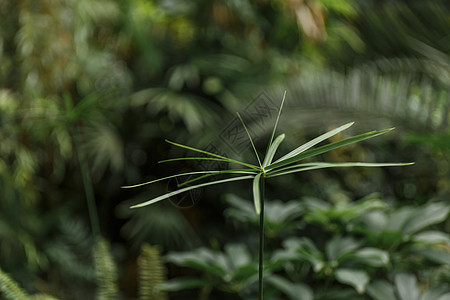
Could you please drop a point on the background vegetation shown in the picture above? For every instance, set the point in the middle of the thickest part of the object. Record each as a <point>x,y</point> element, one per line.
<point>90,89</point>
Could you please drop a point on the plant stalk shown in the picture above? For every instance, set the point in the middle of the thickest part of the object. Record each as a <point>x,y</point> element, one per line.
<point>88,188</point>
<point>261,242</point>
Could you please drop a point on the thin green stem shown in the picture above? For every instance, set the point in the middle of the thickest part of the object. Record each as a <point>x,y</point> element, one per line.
<point>88,188</point>
<point>261,243</point>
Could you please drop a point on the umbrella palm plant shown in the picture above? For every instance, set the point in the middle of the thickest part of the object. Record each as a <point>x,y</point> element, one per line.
<point>266,169</point>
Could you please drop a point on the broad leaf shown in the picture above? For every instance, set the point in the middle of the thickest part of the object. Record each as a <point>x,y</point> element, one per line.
<point>381,290</point>
<point>179,284</point>
<point>430,214</point>
<point>370,257</point>
<point>355,278</point>
<point>295,291</point>
<point>339,246</point>
<point>407,286</point>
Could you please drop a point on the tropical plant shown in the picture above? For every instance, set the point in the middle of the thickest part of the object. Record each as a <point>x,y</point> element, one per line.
<point>267,169</point>
<point>353,249</point>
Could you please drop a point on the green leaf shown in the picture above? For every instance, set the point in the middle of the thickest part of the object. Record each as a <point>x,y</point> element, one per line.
<point>272,150</point>
<point>193,158</point>
<point>381,290</point>
<point>250,138</point>
<point>167,195</point>
<point>276,121</point>
<point>200,259</point>
<point>431,214</point>
<point>371,257</point>
<point>438,293</point>
<point>236,171</point>
<point>319,165</point>
<point>407,286</point>
<point>295,291</point>
<point>435,254</point>
<point>432,237</point>
<point>298,249</point>
<point>179,284</point>
<point>326,148</point>
<point>339,246</point>
<point>214,155</point>
<point>238,254</point>
<point>315,141</point>
<point>256,193</point>
<point>355,278</point>
<point>233,171</point>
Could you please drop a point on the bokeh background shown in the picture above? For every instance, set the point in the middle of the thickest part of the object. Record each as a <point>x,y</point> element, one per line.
<point>90,90</point>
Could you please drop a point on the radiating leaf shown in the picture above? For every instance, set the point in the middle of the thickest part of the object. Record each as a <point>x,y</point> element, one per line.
<point>276,122</point>
<point>214,155</point>
<point>315,141</point>
<point>319,165</point>
<point>167,195</point>
<point>256,193</point>
<point>250,138</point>
<point>326,148</point>
<point>272,150</point>
<point>213,172</point>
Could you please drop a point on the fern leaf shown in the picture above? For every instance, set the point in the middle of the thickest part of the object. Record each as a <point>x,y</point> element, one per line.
<point>10,289</point>
<point>106,272</point>
<point>152,273</point>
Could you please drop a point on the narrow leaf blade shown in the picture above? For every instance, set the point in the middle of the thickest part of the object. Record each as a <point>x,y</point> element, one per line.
<point>250,138</point>
<point>316,166</point>
<point>236,171</point>
<point>272,150</point>
<point>316,141</point>
<point>213,154</point>
<point>257,194</point>
<point>168,195</point>
<point>276,121</point>
<point>326,148</point>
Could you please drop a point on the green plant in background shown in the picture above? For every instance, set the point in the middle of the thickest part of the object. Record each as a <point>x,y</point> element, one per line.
<point>152,274</point>
<point>268,168</point>
<point>342,252</point>
<point>106,271</point>
<point>11,290</point>
<point>405,287</point>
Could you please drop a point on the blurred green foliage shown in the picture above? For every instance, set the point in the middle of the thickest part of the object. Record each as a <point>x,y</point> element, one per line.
<point>346,249</point>
<point>99,83</point>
